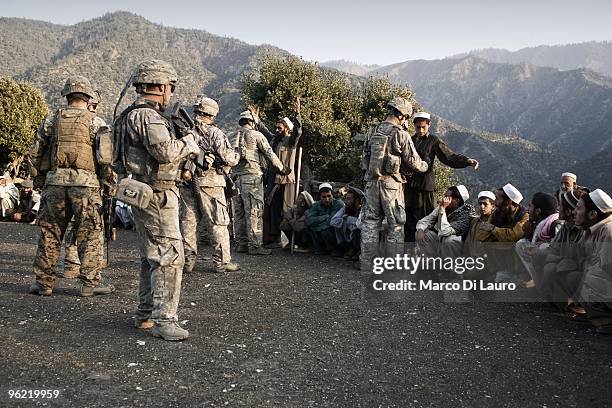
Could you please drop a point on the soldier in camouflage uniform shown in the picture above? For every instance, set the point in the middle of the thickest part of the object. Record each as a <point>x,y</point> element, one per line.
<point>147,148</point>
<point>72,264</point>
<point>64,155</point>
<point>203,198</point>
<point>388,153</point>
<point>255,154</point>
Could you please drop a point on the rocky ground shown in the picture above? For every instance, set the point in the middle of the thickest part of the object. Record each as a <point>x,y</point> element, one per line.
<point>287,331</point>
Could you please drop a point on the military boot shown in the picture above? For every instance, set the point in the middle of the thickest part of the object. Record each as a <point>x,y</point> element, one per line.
<point>228,267</point>
<point>259,251</point>
<point>170,331</point>
<point>102,289</point>
<point>38,289</point>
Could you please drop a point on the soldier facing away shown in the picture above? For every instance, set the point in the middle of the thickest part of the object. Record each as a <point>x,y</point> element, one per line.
<point>255,154</point>
<point>148,149</point>
<point>64,156</point>
<point>203,198</point>
<point>388,152</point>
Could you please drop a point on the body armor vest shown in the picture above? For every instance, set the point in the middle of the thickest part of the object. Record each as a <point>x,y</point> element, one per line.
<point>382,163</point>
<point>73,142</point>
<point>131,156</point>
<point>248,150</point>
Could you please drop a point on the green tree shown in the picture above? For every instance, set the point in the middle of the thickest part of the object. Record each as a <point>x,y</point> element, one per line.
<point>337,109</point>
<point>22,109</point>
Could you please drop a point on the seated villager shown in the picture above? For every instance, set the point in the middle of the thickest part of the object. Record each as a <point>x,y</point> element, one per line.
<point>29,203</point>
<point>542,226</point>
<point>318,219</point>
<point>505,225</point>
<point>294,223</point>
<point>348,235</point>
<point>472,247</point>
<point>441,232</point>
<point>568,182</point>
<point>594,214</point>
<point>556,267</point>
<point>9,197</point>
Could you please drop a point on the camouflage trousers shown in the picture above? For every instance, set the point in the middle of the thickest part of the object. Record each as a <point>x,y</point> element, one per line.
<point>384,203</point>
<point>161,257</point>
<point>248,212</point>
<point>59,204</point>
<point>72,263</point>
<point>207,205</point>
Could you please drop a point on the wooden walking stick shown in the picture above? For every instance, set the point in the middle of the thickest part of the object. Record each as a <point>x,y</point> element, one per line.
<point>297,192</point>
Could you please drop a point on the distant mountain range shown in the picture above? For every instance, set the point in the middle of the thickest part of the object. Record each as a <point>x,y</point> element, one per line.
<point>594,55</point>
<point>350,67</point>
<point>566,111</point>
<point>106,49</point>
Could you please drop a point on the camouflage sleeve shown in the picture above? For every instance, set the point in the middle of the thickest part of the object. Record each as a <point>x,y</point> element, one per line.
<point>365,156</point>
<point>156,137</point>
<point>266,150</point>
<point>402,144</point>
<point>41,143</point>
<point>224,149</point>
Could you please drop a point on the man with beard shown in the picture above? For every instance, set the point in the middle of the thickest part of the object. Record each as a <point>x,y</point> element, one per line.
<point>318,220</point>
<point>542,227</point>
<point>294,223</point>
<point>505,224</point>
<point>441,232</point>
<point>29,203</point>
<point>556,270</point>
<point>280,188</point>
<point>421,187</point>
<point>344,222</point>
<point>594,214</point>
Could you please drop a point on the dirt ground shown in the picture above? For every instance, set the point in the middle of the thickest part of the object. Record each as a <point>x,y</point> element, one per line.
<point>287,331</point>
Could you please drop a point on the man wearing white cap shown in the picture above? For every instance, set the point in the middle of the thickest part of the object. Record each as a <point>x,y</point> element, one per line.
<point>556,270</point>
<point>318,221</point>
<point>486,204</point>
<point>505,224</point>
<point>9,197</point>
<point>440,232</point>
<point>420,188</point>
<point>594,214</point>
<point>294,222</point>
<point>568,182</point>
<point>279,188</point>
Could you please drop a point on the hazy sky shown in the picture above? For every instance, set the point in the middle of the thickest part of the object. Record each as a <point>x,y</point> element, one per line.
<point>358,30</point>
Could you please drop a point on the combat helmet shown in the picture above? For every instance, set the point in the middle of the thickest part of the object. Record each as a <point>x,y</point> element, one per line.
<point>78,84</point>
<point>402,105</point>
<point>154,72</point>
<point>206,105</point>
<point>246,115</point>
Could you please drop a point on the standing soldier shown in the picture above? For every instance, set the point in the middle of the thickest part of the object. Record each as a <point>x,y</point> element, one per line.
<point>64,153</point>
<point>72,264</point>
<point>204,196</point>
<point>387,153</point>
<point>280,189</point>
<point>255,154</point>
<point>420,188</point>
<point>146,147</point>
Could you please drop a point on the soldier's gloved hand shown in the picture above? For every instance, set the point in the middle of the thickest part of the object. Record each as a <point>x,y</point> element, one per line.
<point>285,171</point>
<point>191,144</point>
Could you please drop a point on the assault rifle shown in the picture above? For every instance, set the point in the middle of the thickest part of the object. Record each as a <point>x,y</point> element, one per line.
<point>107,218</point>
